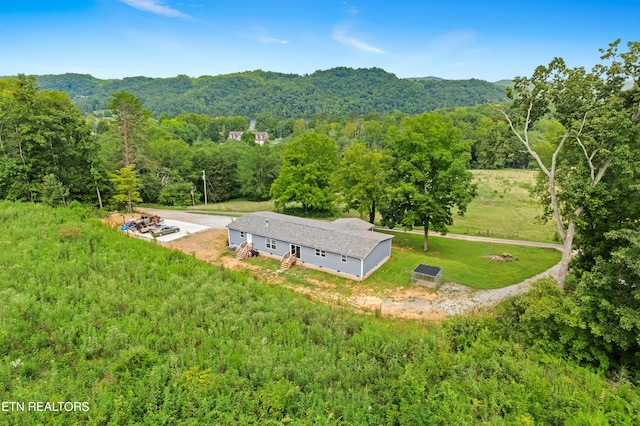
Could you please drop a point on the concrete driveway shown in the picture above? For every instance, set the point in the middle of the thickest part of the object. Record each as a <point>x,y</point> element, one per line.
<point>186,228</point>
<point>189,223</point>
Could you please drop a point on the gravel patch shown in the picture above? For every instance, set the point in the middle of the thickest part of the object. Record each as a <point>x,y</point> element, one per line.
<point>448,299</point>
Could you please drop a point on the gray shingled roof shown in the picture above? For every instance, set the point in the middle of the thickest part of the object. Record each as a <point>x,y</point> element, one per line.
<point>352,223</point>
<point>336,237</point>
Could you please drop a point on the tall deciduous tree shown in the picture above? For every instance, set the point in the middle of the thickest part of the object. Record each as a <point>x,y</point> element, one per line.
<point>609,297</point>
<point>360,180</point>
<point>257,171</point>
<point>41,134</point>
<point>129,119</point>
<point>305,176</point>
<point>428,175</point>
<point>219,167</point>
<point>597,117</point>
<point>172,158</point>
<point>494,147</point>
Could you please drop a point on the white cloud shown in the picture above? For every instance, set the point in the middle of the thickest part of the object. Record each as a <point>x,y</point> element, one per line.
<point>156,6</point>
<point>262,36</point>
<point>341,36</point>
<point>266,39</point>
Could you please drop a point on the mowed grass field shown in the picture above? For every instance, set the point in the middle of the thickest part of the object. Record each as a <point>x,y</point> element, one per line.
<point>463,262</point>
<point>504,208</point>
<point>240,205</point>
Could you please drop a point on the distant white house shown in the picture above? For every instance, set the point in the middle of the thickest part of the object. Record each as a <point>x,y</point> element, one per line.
<point>261,137</point>
<point>345,247</point>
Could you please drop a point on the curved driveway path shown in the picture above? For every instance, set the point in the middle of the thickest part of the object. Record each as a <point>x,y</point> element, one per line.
<point>453,299</point>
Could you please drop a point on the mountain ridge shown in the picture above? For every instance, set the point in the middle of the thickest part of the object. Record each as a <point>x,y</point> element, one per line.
<point>334,92</point>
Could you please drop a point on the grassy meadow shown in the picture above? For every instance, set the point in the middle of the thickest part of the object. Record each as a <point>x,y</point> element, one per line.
<point>503,208</point>
<point>238,206</point>
<point>140,334</point>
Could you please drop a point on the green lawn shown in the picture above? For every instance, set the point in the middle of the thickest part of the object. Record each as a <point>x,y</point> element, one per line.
<point>240,205</point>
<point>463,262</point>
<point>504,208</point>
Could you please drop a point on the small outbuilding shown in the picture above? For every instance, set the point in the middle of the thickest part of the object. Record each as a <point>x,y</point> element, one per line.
<point>426,275</point>
<point>345,247</point>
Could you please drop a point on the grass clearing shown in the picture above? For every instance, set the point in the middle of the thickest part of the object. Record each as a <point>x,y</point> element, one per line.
<point>463,262</point>
<point>503,208</point>
<point>239,205</point>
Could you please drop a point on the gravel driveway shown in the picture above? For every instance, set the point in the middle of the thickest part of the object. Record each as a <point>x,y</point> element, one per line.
<point>210,221</point>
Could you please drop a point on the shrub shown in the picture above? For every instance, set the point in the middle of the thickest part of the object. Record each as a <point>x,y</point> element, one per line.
<point>552,322</point>
<point>176,194</point>
<point>69,232</point>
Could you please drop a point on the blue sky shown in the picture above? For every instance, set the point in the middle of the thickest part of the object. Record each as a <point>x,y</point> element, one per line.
<point>489,40</point>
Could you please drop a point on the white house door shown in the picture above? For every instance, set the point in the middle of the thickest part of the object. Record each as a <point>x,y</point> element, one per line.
<point>249,238</point>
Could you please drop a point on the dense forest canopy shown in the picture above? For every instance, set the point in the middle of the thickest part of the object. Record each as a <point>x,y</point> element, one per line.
<point>335,92</point>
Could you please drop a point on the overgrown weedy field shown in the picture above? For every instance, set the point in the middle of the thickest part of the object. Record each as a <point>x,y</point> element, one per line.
<point>147,335</point>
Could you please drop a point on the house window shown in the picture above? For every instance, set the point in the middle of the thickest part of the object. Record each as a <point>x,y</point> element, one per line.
<point>241,234</point>
<point>270,243</point>
<point>343,258</point>
<point>321,253</point>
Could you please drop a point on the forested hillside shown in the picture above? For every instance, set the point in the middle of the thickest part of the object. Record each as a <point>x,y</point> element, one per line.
<point>335,92</point>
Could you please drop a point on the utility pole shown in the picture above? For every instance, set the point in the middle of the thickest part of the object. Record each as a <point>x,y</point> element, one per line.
<point>204,183</point>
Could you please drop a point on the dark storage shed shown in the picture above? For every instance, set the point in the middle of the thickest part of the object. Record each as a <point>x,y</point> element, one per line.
<point>426,275</point>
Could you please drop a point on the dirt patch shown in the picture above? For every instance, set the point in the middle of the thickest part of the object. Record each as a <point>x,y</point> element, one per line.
<point>211,246</point>
<point>504,257</point>
<point>319,283</point>
<point>416,293</point>
<point>115,220</point>
<point>208,245</point>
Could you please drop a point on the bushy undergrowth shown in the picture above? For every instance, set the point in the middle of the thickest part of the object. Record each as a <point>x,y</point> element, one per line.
<point>556,323</point>
<point>147,335</point>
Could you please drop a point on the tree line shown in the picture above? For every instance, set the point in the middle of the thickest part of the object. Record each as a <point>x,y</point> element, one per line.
<point>305,171</point>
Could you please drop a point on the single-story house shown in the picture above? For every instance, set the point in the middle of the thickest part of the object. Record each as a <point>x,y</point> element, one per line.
<point>345,247</point>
